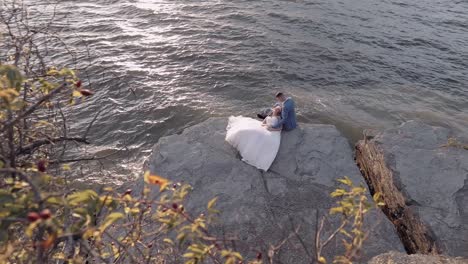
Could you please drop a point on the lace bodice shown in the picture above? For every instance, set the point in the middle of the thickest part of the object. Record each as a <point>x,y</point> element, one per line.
<point>272,121</point>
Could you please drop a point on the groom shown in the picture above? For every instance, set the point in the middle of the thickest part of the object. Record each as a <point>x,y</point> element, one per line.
<point>288,113</point>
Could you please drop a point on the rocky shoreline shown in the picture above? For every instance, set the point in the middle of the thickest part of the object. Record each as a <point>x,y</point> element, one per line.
<point>264,208</point>
<point>424,184</point>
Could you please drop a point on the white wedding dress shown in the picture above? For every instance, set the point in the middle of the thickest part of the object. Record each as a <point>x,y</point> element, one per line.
<point>257,145</point>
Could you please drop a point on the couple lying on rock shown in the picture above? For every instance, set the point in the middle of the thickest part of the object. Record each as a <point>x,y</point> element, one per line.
<point>258,141</point>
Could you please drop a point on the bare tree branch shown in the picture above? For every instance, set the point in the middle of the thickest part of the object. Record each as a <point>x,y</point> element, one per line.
<point>33,107</point>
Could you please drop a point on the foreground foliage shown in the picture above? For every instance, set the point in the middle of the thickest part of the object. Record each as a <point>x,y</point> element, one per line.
<point>110,226</point>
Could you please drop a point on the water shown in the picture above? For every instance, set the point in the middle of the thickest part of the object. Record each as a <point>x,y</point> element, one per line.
<point>161,66</point>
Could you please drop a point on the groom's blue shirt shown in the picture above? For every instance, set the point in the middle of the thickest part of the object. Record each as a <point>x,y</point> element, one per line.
<point>288,116</point>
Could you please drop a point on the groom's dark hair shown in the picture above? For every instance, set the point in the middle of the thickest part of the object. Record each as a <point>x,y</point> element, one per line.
<point>279,94</point>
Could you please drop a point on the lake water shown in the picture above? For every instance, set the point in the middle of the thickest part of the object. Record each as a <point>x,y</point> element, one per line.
<point>160,66</point>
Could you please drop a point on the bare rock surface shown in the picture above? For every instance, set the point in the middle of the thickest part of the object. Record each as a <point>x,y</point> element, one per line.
<point>402,258</point>
<point>263,209</point>
<point>424,185</point>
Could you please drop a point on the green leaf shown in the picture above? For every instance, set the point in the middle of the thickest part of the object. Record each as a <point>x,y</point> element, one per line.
<point>54,200</point>
<point>13,75</point>
<point>5,196</point>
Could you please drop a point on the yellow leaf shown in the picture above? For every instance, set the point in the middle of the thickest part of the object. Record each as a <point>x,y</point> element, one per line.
<point>4,214</point>
<point>52,72</point>
<point>189,255</point>
<point>237,255</point>
<point>30,229</point>
<point>46,244</point>
<point>338,193</point>
<point>169,241</point>
<point>106,200</point>
<point>88,233</point>
<point>76,93</point>
<point>81,197</point>
<point>110,219</point>
<point>157,180</point>
<point>322,260</point>
<point>181,237</point>
<point>346,181</point>
<point>9,94</point>
<point>336,210</point>
<point>212,202</point>
<point>358,190</point>
<point>134,211</point>
<point>344,232</point>
<point>59,255</point>
<point>54,200</point>
<point>66,167</point>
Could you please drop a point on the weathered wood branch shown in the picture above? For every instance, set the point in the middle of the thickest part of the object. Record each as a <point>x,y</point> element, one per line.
<point>28,149</point>
<point>415,235</point>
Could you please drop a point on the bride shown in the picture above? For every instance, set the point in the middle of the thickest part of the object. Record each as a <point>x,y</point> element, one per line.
<point>257,142</point>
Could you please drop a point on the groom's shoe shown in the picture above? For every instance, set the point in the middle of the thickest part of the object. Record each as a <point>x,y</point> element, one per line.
<point>261,116</point>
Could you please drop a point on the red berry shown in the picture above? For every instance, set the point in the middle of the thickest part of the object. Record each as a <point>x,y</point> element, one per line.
<point>259,256</point>
<point>86,92</point>
<point>175,206</point>
<point>78,83</point>
<point>174,186</point>
<point>33,216</point>
<point>45,214</point>
<point>41,165</point>
<point>150,245</point>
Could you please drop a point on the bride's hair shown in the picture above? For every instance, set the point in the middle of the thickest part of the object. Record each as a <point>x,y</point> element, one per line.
<point>276,111</point>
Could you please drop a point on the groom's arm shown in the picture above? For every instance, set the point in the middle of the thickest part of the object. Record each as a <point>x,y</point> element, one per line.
<point>284,116</point>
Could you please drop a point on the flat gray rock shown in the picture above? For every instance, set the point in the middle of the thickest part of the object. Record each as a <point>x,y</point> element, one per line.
<point>262,209</point>
<point>402,258</point>
<point>425,185</point>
